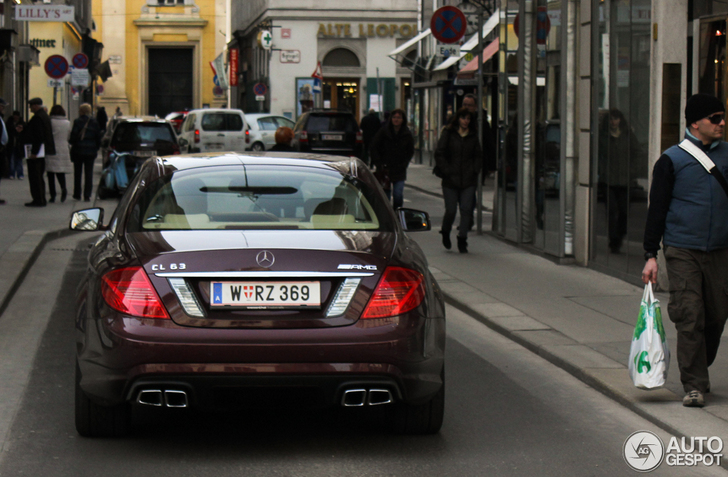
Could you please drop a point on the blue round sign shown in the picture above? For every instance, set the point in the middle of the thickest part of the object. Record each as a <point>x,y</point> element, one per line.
<point>260,89</point>
<point>56,66</point>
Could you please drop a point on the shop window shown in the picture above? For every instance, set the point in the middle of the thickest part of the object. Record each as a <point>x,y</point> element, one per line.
<point>341,57</point>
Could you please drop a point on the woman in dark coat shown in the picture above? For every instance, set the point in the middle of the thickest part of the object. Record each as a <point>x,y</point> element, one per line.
<point>85,141</point>
<point>391,151</point>
<point>459,159</point>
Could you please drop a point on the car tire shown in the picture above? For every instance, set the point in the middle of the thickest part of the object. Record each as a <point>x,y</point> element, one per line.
<point>420,418</point>
<point>94,420</point>
<point>258,146</point>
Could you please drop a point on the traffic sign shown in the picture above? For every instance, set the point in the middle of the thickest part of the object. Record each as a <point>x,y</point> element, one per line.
<point>260,89</point>
<point>448,24</point>
<point>448,50</point>
<point>543,25</point>
<point>80,60</point>
<point>56,66</point>
<point>318,72</point>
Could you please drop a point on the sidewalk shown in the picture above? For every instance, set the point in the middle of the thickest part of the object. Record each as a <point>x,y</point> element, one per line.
<point>575,317</point>
<point>579,319</point>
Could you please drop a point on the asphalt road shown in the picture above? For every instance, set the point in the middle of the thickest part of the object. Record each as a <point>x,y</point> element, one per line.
<point>508,412</point>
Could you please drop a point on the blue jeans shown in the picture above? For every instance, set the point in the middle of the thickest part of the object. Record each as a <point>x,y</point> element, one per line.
<point>465,198</point>
<point>398,188</point>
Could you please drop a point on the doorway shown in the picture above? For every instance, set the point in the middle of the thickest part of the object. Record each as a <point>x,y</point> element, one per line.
<point>342,94</point>
<point>170,80</point>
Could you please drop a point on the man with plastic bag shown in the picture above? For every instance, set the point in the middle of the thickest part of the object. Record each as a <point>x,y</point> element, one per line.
<point>689,212</point>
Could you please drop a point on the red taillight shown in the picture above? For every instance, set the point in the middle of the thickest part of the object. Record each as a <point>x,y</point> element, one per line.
<point>399,291</point>
<point>129,291</point>
<point>197,136</point>
<point>303,136</point>
<point>247,136</point>
<point>359,137</point>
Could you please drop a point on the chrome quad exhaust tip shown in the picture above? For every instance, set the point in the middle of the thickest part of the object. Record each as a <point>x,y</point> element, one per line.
<point>366,397</point>
<point>172,398</point>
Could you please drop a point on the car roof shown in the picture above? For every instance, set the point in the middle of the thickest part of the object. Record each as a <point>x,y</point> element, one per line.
<point>215,110</point>
<point>170,164</point>
<point>142,119</point>
<point>265,115</point>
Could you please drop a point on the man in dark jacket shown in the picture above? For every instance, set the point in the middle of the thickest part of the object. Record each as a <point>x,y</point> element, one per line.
<point>370,124</point>
<point>39,143</point>
<point>392,149</point>
<point>689,212</point>
<point>85,142</point>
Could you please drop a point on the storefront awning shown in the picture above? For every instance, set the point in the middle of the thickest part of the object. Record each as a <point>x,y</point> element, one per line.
<point>392,54</point>
<point>471,68</point>
<point>472,42</point>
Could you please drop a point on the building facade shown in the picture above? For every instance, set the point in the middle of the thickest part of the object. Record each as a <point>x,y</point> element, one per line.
<point>159,54</point>
<point>350,42</point>
<point>27,38</point>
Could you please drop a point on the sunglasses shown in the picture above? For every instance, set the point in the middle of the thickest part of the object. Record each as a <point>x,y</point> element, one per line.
<point>716,118</point>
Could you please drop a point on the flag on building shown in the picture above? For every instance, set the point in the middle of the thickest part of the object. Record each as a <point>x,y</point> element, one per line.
<point>218,67</point>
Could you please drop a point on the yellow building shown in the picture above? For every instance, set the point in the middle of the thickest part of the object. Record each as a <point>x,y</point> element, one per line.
<point>160,52</point>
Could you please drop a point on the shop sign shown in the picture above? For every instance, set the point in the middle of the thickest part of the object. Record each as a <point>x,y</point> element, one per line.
<point>344,30</point>
<point>44,13</point>
<point>115,59</point>
<point>290,56</point>
<point>42,43</point>
<point>233,66</point>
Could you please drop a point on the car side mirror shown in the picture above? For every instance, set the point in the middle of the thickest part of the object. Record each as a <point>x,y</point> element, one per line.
<point>183,142</point>
<point>87,220</point>
<point>414,220</point>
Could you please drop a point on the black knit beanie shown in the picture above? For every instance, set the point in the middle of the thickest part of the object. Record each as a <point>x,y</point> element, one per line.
<point>701,106</point>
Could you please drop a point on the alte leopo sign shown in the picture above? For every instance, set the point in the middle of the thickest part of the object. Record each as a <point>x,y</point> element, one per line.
<point>339,30</point>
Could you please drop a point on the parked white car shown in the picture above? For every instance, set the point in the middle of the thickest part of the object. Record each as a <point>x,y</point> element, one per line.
<point>262,129</point>
<point>212,129</point>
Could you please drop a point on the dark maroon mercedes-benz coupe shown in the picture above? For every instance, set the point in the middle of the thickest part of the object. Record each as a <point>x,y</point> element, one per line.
<point>229,281</point>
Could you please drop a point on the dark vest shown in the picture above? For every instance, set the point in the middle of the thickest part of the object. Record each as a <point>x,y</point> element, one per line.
<point>698,214</point>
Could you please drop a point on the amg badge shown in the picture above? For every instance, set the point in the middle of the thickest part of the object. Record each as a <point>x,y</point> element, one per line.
<point>346,266</point>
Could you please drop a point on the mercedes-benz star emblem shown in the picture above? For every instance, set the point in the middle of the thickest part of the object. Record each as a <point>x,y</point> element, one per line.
<point>265,259</point>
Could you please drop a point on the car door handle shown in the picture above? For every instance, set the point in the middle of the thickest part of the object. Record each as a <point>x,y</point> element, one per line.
<point>220,135</point>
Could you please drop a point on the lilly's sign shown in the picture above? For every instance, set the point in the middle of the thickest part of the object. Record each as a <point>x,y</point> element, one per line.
<point>44,13</point>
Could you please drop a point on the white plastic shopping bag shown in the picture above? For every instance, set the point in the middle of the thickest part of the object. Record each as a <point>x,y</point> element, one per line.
<point>649,356</point>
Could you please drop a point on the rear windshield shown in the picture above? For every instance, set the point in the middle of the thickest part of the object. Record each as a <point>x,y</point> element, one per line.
<point>222,122</point>
<point>331,122</point>
<point>260,197</point>
<point>143,133</point>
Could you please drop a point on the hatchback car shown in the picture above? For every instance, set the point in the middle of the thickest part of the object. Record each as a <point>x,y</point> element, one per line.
<point>141,138</point>
<point>246,281</point>
<point>213,130</point>
<point>328,132</point>
<point>260,135</point>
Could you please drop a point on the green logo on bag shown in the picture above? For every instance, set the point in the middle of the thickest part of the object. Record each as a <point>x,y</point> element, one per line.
<point>641,361</point>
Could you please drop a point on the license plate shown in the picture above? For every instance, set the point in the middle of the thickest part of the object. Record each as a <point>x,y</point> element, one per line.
<point>332,137</point>
<point>215,147</point>
<point>145,153</point>
<point>265,294</point>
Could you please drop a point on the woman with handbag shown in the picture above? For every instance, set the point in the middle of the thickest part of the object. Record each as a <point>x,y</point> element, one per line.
<point>85,142</point>
<point>391,151</point>
<point>59,164</point>
<point>458,159</point>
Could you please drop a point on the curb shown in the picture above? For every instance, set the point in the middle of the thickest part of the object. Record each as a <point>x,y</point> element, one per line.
<point>579,373</point>
<point>17,263</point>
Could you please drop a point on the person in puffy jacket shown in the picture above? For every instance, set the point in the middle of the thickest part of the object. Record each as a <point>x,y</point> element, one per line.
<point>458,158</point>
<point>85,142</point>
<point>391,151</point>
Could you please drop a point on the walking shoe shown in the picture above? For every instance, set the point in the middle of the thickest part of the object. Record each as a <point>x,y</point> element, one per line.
<point>64,194</point>
<point>463,244</point>
<point>694,399</point>
<point>446,240</point>
<point>52,199</point>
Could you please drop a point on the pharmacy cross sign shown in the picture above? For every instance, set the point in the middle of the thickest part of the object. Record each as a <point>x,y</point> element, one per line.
<point>448,24</point>
<point>266,39</point>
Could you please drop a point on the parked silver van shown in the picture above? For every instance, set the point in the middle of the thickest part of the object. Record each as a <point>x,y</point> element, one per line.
<point>206,130</point>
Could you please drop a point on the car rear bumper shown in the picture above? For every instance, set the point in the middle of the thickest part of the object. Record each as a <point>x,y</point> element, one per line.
<point>312,370</point>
